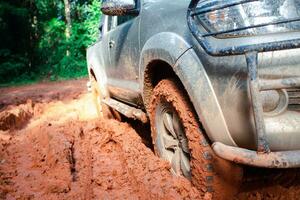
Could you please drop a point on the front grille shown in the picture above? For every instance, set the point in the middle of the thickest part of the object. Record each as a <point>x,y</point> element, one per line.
<point>294,99</point>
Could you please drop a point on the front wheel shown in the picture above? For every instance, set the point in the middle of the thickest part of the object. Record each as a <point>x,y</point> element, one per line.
<point>177,138</point>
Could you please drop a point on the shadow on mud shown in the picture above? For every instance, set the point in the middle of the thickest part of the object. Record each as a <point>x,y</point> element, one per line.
<point>256,178</point>
<point>142,129</point>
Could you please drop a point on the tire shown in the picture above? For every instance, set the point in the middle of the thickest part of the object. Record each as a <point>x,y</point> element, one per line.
<point>103,110</point>
<point>211,175</point>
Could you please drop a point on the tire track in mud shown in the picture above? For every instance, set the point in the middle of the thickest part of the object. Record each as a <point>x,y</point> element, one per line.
<point>81,164</point>
<point>135,171</point>
<point>6,167</point>
<point>61,155</point>
<point>87,163</point>
<point>113,176</point>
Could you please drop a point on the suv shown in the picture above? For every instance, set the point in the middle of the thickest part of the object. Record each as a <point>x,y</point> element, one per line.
<point>219,82</point>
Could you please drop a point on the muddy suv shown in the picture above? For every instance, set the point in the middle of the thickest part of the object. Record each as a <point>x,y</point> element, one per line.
<point>219,82</point>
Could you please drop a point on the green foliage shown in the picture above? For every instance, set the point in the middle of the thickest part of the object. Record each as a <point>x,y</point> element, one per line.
<point>91,22</point>
<point>13,57</point>
<point>11,64</point>
<point>45,51</point>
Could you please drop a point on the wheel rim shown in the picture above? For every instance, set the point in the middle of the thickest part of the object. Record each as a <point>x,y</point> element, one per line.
<point>174,145</point>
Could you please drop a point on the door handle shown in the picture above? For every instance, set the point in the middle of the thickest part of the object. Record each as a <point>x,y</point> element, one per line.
<point>111,44</point>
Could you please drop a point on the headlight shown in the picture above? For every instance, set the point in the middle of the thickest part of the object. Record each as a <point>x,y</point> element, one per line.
<point>253,17</point>
<point>274,102</point>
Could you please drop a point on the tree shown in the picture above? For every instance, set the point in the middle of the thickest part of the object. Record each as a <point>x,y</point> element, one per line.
<point>37,34</point>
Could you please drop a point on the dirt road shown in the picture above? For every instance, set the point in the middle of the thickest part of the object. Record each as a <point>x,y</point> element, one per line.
<point>52,146</point>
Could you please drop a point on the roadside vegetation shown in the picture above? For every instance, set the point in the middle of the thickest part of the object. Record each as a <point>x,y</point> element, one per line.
<point>46,40</point>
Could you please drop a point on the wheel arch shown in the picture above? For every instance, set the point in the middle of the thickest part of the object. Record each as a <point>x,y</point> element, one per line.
<point>165,60</point>
<point>92,73</point>
<point>159,54</point>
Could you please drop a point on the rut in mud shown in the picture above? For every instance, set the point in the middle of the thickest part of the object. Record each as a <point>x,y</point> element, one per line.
<point>65,152</point>
<point>80,160</point>
<point>52,146</point>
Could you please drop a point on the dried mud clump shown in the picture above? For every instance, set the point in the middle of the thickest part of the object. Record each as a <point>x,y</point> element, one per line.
<point>16,117</point>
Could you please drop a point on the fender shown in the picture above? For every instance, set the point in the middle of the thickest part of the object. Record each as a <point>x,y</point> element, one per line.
<point>193,76</point>
<point>165,46</point>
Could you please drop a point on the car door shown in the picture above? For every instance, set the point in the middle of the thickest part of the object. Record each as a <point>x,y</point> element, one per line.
<point>109,23</point>
<point>124,52</point>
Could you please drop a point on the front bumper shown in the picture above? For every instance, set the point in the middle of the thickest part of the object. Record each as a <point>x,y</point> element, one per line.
<point>281,159</point>
<point>263,157</point>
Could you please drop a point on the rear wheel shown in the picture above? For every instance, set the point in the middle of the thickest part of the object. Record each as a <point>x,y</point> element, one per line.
<point>177,138</point>
<point>103,110</point>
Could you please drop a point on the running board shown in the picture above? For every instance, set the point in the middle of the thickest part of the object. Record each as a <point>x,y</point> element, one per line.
<point>126,110</point>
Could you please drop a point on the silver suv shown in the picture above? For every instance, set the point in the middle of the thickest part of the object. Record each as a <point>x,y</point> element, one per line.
<point>219,82</point>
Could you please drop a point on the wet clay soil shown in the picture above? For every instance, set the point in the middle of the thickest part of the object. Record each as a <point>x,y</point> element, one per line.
<point>53,146</point>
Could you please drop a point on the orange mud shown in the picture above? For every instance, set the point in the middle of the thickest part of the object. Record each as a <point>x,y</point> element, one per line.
<point>52,146</point>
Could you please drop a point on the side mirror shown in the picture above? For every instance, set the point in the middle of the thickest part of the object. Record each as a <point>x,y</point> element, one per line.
<point>119,7</point>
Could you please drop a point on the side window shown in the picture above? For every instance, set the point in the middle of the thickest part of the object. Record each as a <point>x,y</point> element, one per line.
<point>123,19</point>
<point>110,23</point>
<point>101,27</point>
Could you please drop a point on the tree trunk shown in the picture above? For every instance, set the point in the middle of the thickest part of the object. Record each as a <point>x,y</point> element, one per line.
<point>68,21</point>
<point>33,34</point>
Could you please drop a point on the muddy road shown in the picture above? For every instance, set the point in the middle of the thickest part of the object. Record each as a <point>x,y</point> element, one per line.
<point>53,146</point>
